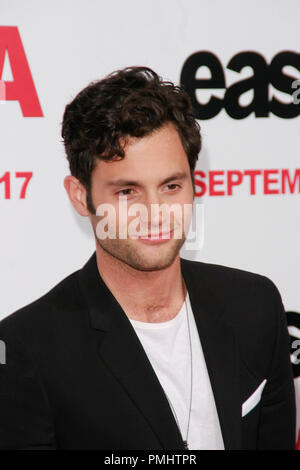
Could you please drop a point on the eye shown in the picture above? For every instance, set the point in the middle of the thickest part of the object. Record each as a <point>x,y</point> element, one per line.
<point>121,192</point>
<point>172,185</point>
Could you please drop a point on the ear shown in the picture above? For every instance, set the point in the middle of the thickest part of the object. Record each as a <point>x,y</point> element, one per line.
<point>77,194</point>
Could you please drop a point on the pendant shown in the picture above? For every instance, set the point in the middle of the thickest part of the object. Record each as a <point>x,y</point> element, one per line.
<point>185,444</point>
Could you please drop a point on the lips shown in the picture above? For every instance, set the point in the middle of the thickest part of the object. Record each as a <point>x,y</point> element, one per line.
<point>156,236</point>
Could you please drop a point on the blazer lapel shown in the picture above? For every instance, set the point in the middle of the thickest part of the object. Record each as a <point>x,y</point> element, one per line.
<point>220,352</point>
<point>121,351</point>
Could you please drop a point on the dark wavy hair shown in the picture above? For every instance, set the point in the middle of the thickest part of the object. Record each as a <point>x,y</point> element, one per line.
<point>132,102</point>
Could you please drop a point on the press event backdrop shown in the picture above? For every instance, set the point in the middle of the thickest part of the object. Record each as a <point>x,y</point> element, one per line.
<point>239,61</point>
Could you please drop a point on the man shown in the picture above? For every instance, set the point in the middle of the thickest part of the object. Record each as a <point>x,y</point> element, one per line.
<point>142,349</point>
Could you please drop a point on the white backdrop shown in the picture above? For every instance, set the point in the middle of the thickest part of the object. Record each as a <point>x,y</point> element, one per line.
<point>69,43</point>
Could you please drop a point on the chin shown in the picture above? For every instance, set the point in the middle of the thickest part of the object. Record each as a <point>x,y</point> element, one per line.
<point>141,260</point>
<point>152,264</point>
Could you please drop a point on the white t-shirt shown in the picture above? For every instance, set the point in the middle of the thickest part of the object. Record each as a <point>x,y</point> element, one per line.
<point>167,346</point>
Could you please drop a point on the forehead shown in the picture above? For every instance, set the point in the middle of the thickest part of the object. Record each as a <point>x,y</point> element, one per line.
<point>154,156</point>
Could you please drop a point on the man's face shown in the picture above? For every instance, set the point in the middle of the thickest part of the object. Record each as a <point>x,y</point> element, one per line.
<point>155,170</point>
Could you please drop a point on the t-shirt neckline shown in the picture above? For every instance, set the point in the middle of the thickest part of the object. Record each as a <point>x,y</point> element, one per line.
<point>165,324</point>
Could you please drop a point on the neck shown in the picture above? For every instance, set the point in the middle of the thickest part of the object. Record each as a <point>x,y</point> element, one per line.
<point>147,296</point>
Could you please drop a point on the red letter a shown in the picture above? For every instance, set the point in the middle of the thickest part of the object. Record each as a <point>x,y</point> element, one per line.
<point>22,89</point>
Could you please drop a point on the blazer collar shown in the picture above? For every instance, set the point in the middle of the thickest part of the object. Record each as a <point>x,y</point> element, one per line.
<point>123,353</point>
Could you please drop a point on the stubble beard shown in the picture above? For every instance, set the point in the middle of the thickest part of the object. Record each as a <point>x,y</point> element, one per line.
<point>142,258</point>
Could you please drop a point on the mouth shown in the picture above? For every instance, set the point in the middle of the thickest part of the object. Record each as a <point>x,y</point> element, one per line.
<point>156,237</point>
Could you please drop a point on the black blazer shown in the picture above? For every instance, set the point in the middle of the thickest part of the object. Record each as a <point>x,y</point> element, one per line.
<point>77,377</point>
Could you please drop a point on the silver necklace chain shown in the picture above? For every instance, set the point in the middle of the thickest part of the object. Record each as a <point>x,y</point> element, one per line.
<point>185,443</point>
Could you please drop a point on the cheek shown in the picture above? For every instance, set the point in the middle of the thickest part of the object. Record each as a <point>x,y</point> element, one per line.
<point>127,222</point>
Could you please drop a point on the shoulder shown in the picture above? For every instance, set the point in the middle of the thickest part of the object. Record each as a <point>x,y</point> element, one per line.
<point>248,302</point>
<point>232,282</point>
<point>43,314</point>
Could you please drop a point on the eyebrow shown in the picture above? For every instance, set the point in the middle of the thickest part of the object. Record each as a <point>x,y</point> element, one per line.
<point>180,175</point>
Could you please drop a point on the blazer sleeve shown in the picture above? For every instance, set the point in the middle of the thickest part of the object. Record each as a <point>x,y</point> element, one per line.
<point>25,415</point>
<point>277,426</point>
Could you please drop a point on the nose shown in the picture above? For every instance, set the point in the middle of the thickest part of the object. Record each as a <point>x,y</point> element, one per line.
<point>154,220</point>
